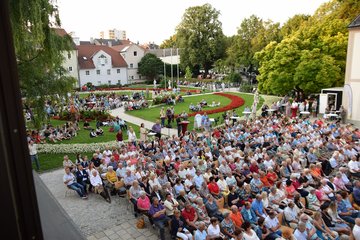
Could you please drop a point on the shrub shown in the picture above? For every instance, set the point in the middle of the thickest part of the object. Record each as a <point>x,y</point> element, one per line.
<point>248,88</point>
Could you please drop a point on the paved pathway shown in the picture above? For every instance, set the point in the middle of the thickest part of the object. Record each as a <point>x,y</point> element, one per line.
<point>120,112</point>
<point>96,218</point>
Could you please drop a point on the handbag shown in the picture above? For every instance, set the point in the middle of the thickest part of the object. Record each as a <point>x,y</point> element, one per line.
<point>119,184</point>
<point>140,224</point>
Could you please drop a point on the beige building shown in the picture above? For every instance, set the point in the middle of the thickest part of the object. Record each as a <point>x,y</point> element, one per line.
<point>351,96</point>
<point>113,34</point>
<point>70,63</point>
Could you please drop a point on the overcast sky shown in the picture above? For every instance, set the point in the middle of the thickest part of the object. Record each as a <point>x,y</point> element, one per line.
<point>156,20</point>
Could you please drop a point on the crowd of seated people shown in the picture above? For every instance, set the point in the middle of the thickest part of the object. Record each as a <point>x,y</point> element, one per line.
<point>247,180</point>
<point>195,108</point>
<point>54,134</point>
<point>136,104</point>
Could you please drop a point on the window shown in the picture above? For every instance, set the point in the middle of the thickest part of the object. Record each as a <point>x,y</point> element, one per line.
<point>87,72</point>
<point>69,55</point>
<point>102,60</point>
<point>117,70</point>
<point>109,82</point>
<point>132,77</point>
<point>99,82</point>
<point>135,53</point>
<point>109,72</point>
<point>131,65</point>
<point>98,72</point>
<point>119,82</point>
<point>70,69</point>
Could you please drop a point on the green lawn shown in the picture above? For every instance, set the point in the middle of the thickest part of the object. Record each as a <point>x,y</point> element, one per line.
<point>83,135</point>
<point>151,114</point>
<point>50,161</point>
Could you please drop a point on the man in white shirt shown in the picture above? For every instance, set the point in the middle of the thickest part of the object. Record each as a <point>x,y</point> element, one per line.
<point>356,229</point>
<point>272,223</point>
<point>354,167</point>
<point>291,215</point>
<point>301,233</point>
<point>69,181</point>
<point>33,154</point>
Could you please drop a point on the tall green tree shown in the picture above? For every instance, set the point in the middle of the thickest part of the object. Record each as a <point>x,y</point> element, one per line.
<point>312,54</point>
<point>252,36</point>
<point>39,51</point>
<point>150,66</point>
<point>200,37</point>
<point>169,43</point>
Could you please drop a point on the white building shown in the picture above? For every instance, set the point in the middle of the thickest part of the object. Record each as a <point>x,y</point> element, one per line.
<point>113,34</point>
<point>351,96</point>
<point>101,65</point>
<point>70,58</point>
<point>132,54</point>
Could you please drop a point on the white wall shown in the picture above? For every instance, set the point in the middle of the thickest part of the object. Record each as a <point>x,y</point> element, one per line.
<point>103,77</point>
<point>70,60</point>
<point>129,57</point>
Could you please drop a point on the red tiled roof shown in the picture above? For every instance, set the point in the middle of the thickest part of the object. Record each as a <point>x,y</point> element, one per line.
<point>86,52</point>
<point>60,31</point>
<point>119,48</point>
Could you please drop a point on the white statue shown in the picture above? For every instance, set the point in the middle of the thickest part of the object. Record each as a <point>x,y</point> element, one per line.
<point>169,84</point>
<point>154,83</point>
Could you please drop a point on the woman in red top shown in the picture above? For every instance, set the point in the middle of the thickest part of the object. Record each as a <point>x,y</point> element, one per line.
<point>271,176</point>
<point>290,189</point>
<point>213,187</point>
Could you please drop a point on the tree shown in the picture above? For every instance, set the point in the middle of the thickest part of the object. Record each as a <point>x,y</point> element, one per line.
<point>252,36</point>
<point>200,37</point>
<point>39,51</point>
<point>234,77</point>
<point>150,66</point>
<point>169,43</point>
<point>312,55</point>
<point>188,73</point>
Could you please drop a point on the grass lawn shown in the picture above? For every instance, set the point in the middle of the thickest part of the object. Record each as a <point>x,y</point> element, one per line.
<point>151,114</point>
<point>83,135</point>
<point>50,161</point>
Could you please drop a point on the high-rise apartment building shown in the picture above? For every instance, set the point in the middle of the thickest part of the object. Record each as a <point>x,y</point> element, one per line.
<point>113,34</point>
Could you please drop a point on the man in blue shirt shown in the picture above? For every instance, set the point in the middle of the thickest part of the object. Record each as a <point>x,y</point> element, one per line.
<point>248,214</point>
<point>157,212</point>
<point>346,214</point>
<point>258,207</point>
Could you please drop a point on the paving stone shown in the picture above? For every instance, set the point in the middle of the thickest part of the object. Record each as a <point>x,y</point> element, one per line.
<point>100,235</point>
<point>91,238</point>
<point>109,232</point>
<point>104,238</point>
<point>114,237</point>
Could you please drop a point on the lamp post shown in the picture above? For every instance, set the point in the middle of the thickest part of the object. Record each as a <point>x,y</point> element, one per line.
<point>171,67</point>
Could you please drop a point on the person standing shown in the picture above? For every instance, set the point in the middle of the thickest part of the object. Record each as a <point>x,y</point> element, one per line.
<point>342,114</point>
<point>119,138</point>
<point>179,125</point>
<point>162,116</point>
<point>143,132</point>
<point>33,154</point>
<point>157,129</point>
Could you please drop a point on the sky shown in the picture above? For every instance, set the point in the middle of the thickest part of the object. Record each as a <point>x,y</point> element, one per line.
<point>155,20</point>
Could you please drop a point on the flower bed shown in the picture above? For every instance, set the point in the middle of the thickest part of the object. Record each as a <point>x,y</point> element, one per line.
<point>235,103</point>
<point>74,148</point>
